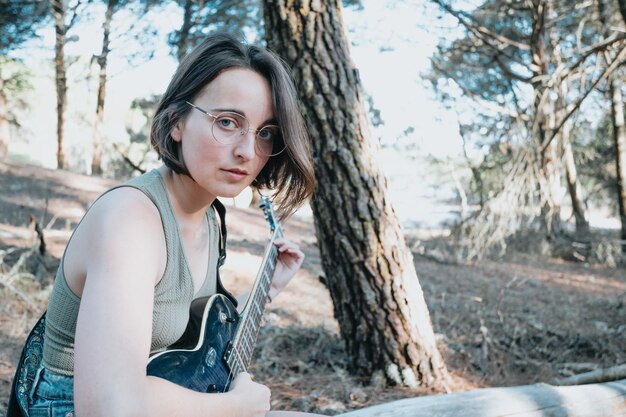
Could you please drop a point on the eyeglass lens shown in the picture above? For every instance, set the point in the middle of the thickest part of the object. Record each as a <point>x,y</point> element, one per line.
<point>228,128</point>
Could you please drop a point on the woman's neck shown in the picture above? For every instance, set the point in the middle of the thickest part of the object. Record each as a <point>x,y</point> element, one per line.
<point>189,200</point>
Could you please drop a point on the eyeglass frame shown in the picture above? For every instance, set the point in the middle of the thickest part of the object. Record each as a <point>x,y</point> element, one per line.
<point>242,132</point>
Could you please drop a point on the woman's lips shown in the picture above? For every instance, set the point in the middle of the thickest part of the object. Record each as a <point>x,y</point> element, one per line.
<point>235,173</point>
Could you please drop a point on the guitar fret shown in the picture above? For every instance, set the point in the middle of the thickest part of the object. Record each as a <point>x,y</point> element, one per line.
<point>234,361</point>
<point>249,326</point>
<point>249,345</point>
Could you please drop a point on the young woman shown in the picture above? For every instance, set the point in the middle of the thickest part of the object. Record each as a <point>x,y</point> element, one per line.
<point>146,249</point>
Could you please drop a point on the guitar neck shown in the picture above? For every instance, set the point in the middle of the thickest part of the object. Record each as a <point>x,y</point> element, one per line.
<point>248,330</point>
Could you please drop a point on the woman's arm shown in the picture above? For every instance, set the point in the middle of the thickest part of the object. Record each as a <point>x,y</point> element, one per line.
<point>113,335</point>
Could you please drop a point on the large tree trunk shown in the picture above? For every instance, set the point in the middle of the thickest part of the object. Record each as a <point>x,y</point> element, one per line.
<point>4,123</point>
<point>96,160</point>
<point>58,13</point>
<point>377,297</point>
<point>617,122</point>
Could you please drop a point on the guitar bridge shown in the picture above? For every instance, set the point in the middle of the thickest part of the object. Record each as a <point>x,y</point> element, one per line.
<point>228,354</point>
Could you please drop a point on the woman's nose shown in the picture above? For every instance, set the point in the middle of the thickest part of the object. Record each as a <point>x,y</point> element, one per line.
<point>245,144</point>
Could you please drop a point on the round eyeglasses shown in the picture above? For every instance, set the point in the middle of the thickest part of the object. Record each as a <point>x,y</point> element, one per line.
<point>228,127</point>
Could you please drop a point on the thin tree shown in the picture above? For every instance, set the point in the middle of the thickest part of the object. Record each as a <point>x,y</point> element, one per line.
<point>377,298</point>
<point>102,59</point>
<point>617,121</point>
<point>60,13</point>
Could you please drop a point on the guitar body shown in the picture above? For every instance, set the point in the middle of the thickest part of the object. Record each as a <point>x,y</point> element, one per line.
<point>198,360</point>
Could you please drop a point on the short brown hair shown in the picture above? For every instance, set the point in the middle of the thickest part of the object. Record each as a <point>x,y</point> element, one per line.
<point>291,172</point>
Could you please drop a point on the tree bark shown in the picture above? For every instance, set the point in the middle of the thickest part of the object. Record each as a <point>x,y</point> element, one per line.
<point>96,160</point>
<point>579,208</point>
<point>4,123</point>
<point>619,138</point>
<point>377,298</point>
<point>58,13</point>
<point>619,129</point>
<point>544,122</point>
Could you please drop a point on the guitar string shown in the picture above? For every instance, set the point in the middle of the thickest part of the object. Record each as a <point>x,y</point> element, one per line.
<point>233,369</point>
<point>238,360</point>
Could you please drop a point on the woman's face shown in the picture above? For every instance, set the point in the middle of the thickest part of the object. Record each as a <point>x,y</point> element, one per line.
<point>224,170</point>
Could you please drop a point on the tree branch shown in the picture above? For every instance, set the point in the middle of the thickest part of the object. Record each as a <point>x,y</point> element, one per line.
<point>127,159</point>
<point>607,72</point>
<point>487,104</point>
<point>481,30</point>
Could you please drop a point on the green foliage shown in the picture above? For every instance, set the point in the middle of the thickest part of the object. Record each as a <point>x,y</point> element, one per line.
<point>356,4</point>
<point>140,115</point>
<point>15,77</point>
<point>488,75</point>
<point>203,17</point>
<point>19,21</point>
<point>375,115</point>
<point>14,82</point>
<point>137,155</point>
<point>594,151</point>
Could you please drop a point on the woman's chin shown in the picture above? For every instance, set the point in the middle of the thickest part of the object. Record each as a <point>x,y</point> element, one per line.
<point>242,198</point>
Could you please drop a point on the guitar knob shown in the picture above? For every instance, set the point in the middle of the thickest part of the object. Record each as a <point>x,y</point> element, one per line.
<point>222,317</point>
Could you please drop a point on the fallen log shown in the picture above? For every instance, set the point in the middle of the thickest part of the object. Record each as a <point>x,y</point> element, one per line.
<point>600,375</point>
<point>538,400</point>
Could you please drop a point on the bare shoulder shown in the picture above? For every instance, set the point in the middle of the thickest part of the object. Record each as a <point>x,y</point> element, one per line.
<point>123,227</point>
<point>125,205</point>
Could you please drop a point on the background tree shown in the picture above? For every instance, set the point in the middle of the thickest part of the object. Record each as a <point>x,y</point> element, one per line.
<point>200,17</point>
<point>96,160</point>
<point>530,65</point>
<point>19,21</point>
<point>377,298</point>
<point>609,20</point>
<point>64,19</point>
<point>138,33</point>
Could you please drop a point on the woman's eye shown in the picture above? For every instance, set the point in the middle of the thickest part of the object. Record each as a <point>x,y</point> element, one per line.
<point>226,123</point>
<point>267,133</point>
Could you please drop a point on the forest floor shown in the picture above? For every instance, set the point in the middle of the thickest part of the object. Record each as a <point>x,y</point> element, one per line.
<point>518,320</point>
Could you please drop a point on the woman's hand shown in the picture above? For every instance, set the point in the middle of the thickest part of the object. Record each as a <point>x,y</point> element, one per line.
<point>252,399</point>
<point>290,259</point>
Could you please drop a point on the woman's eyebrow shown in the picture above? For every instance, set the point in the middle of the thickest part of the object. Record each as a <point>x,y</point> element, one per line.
<point>270,121</point>
<point>222,110</point>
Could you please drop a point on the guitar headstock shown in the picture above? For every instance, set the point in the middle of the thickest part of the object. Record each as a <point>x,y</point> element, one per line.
<point>268,212</point>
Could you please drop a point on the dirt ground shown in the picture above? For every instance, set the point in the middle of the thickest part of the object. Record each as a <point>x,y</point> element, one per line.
<point>517,320</point>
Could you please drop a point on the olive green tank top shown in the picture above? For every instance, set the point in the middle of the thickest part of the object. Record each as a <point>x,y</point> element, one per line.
<point>173,294</point>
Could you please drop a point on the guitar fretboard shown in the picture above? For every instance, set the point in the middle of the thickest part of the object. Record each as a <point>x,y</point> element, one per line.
<point>248,330</point>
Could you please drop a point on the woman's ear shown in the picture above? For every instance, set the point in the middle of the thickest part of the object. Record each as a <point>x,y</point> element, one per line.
<point>177,133</point>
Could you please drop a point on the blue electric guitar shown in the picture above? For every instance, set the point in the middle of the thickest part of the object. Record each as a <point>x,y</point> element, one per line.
<point>219,342</point>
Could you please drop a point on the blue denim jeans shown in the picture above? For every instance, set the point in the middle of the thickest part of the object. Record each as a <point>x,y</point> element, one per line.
<point>52,395</point>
